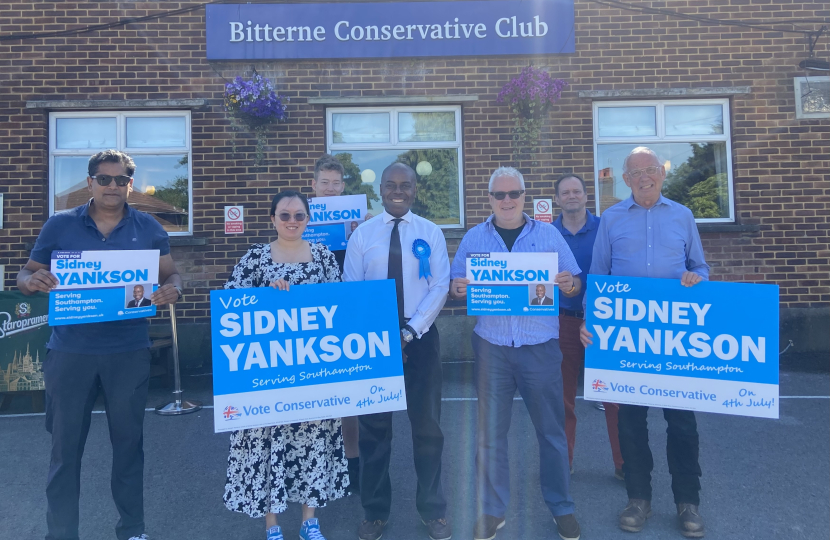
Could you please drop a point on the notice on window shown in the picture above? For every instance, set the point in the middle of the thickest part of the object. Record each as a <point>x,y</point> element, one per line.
<point>98,286</point>
<point>512,284</point>
<point>324,352</point>
<point>334,219</point>
<point>712,347</point>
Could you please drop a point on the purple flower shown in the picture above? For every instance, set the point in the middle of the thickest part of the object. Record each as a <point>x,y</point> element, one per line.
<point>532,85</point>
<point>255,101</point>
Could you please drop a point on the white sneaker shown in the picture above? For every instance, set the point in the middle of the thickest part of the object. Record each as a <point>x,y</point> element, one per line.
<point>142,537</point>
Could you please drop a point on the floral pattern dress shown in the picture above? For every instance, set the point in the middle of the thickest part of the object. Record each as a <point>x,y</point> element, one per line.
<point>304,462</point>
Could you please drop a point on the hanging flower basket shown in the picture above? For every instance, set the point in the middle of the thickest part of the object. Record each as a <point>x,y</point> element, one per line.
<point>255,104</point>
<point>530,96</point>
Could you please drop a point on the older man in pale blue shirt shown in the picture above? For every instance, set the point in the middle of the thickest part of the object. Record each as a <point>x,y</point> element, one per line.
<point>518,353</point>
<point>648,235</point>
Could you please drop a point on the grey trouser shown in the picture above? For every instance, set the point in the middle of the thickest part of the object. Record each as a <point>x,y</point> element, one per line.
<point>72,384</point>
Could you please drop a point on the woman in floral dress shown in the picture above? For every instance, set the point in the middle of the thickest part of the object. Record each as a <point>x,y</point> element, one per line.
<point>304,462</point>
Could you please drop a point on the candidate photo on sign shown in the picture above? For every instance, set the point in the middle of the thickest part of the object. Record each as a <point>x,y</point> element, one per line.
<point>135,296</point>
<point>539,294</point>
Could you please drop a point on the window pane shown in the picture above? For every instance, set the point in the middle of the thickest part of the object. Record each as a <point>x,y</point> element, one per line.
<point>161,132</point>
<point>437,176</point>
<point>694,120</point>
<point>696,176</point>
<point>815,97</point>
<point>85,133</point>
<point>426,126</point>
<point>360,127</point>
<point>162,189</point>
<point>627,121</point>
<point>70,182</point>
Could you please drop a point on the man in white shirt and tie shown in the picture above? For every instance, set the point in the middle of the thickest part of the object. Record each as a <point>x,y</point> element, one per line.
<point>411,250</point>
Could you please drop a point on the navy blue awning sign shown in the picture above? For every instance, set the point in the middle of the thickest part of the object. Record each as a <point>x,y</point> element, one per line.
<point>389,30</point>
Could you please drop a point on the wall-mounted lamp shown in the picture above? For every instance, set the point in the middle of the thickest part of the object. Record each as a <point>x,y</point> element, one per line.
<point>812,63</point>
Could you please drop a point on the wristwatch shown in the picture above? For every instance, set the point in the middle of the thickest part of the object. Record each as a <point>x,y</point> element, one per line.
<point>178,290</point>
<point>408,333</point>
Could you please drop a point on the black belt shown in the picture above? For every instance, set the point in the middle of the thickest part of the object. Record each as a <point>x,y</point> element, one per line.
<point>569,313</point>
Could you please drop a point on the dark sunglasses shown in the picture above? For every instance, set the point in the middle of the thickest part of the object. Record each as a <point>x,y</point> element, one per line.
<point>299,216</point>
<point>105,179</point>
<point>500,195</point>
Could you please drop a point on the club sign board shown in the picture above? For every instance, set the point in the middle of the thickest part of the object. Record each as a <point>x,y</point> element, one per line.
<point>712,347</point>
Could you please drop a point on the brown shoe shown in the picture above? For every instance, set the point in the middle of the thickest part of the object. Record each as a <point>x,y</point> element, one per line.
<point>633,518</point>
<point>690,521</point>
<point>438,529</point>
<point>371,530</point>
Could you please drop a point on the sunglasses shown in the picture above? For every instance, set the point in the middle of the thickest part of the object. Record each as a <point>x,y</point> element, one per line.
<point>105,179</point>
<point>500,195</point>
<point>299,216</point>
<point>637,173</point>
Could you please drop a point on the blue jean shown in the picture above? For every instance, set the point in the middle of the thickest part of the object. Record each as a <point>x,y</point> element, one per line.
<point>536,371</point>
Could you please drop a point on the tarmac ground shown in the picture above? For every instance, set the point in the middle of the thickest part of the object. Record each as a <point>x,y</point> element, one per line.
<point>762,479</point>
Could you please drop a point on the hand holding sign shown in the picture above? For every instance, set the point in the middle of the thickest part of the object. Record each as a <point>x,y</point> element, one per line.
<point>42,280</point>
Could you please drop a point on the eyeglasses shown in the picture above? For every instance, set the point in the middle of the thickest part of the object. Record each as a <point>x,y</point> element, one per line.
<point>105,179</point>
<point>500,195</point>
<point>299,216</point>
<point>637,173</point>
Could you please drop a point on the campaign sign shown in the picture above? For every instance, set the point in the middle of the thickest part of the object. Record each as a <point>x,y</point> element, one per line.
<point>98,286</point>
<point>311,353</point>
<point>712,347</point>
<point>334,219</point>
<point>512,284</point>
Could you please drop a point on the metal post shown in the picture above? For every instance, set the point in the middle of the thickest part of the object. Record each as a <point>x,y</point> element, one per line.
<point>177,406</point>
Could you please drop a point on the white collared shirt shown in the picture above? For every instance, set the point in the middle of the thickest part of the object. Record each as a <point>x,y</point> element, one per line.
<point>367,259</point>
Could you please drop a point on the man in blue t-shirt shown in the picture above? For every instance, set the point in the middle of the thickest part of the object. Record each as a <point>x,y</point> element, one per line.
<point>113,355</point>
<point>579,228</point>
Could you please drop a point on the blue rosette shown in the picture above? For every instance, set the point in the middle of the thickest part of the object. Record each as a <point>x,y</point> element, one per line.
<point>421,250</point>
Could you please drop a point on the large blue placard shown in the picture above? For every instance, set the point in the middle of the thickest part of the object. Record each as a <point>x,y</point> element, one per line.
<point>310,353</point>
<point>711,347</point>
<point>388,29</point>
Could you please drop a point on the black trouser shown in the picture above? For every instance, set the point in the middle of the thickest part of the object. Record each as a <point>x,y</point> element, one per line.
<point>682,449</point>
<point>72,384</point>
<point>423,378</point>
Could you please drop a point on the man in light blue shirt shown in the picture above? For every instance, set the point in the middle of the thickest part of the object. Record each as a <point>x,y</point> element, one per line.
<point>518,352</point>
<point>648,235</point>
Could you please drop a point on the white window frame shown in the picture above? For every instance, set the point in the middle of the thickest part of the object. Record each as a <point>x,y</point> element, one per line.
<point>661,137</point>
<point>394,143</point>
<point>121,144</point>
<point>798,88</point>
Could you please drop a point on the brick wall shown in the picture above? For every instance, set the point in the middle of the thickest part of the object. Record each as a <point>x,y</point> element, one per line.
<point>781,164</point>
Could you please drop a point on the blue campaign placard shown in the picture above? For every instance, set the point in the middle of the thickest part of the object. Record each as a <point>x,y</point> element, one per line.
<point>512,284</point>
<point>334,219</point>
<point>99,286</point>
<point>388,29</point>
<point>711,347</point>
<point>310,353</point>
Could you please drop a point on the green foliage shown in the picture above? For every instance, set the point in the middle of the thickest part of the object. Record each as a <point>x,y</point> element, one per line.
<point>697,184</point>
<point>354,184</point>
<point>437,197</point>
<point>705,197</point>
<point>176,193</point>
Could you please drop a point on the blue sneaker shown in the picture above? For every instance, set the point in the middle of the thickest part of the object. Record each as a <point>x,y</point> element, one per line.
<point>311,530</point>
<point>275,533</point>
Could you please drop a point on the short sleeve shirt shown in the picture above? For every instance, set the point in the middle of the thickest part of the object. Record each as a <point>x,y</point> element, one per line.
<point>76,230</point>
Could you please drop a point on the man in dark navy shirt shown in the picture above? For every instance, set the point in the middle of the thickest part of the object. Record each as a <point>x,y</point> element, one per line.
<point>579,228</point>
<point>113,355</point>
